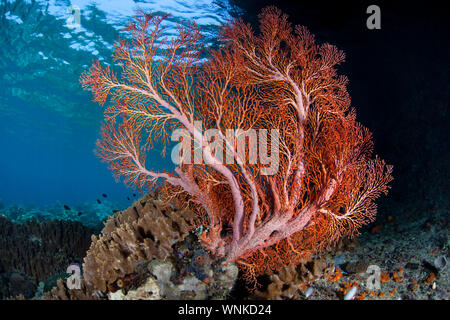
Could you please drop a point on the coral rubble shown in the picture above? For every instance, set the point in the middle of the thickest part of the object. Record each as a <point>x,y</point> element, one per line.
<point>285,283</point>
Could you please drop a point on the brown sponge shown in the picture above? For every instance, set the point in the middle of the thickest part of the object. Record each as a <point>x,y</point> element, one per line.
<point>146,230</point>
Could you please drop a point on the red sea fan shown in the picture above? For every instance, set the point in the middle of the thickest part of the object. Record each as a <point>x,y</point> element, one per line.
<point>263,204</point>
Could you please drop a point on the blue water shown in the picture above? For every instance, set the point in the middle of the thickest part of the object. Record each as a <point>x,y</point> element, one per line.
<point>48,124</point>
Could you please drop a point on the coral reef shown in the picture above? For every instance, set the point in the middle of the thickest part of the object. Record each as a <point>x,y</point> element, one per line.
<point>150,251</point>
<point>90,214</point>
<point>188,273</point>
<point>149,290</point>
<point>15,284</point>
<point>146,230</point>
<point>318,184</point>
<point>408,270</point>
<point>61,292</point>
<point>40,249</point>
<point>217,283</point>
<point>193,273</point>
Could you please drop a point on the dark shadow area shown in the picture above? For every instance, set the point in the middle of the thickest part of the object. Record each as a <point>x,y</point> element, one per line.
<point>399,84</point>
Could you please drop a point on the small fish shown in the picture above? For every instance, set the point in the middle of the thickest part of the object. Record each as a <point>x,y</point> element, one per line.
<point>128,198</point>
<point>115,211</point>
<point>134,194</point>
<point>80,213</point>
<point>104,195</point>
<point>66,207</point>
<point>98,201</point>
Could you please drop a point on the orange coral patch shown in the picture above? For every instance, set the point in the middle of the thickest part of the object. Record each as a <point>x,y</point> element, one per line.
<point>430,278</point>
<point>384,276</point>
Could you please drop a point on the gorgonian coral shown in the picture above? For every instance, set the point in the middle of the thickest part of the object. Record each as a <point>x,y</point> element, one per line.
<point>266,204</point>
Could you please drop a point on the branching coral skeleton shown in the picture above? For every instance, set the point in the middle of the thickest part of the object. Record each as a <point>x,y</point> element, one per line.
<point>280,79</point>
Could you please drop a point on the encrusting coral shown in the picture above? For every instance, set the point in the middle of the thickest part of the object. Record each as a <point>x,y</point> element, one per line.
<point>319,182</point>
<point>146,230</point>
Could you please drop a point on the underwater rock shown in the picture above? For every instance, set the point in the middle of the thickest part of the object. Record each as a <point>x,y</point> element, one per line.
<point>430,267</point>
<point>412,266</point>
<point>188,286</point>
<point>21,284</point>
<point>356,267</point>
<point>188,273</point>
<point>148,291</point>
<point>285,283</point>
<point>164,283</point>
<point>440,262</point>
<point>15,284</point>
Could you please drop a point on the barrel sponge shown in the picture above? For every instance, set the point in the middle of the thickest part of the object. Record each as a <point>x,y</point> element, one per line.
<point>146,230</point>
